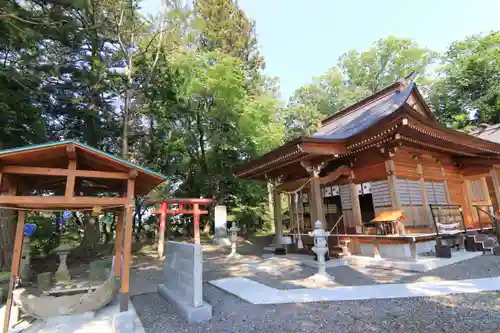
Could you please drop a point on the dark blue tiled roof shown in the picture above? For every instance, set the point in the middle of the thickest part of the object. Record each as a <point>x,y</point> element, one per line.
<point>359,120</point>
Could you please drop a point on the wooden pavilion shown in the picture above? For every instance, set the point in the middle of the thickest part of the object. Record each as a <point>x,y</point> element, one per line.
<point>385,152</point>
<point>68,175</point>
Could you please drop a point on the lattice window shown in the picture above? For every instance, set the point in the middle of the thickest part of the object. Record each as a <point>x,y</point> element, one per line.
<point>345,196</point>
<point>436,194</point>
<point>408,192</point>
<point>381,194</point>
<point>477,190</point>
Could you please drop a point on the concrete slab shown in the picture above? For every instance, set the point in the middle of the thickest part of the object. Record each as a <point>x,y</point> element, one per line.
<point>422,264</point>
<point>258,293</point>
<point>102,322</point>
<point>190,313</point>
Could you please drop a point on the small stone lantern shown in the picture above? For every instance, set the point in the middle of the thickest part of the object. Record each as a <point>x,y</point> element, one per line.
<point>62,273</point>
<point>234,237</point>
<point>320,237</point>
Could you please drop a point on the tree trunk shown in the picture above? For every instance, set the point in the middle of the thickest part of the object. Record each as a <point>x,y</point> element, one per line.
<point>91,236</point>
<point>7,231</point>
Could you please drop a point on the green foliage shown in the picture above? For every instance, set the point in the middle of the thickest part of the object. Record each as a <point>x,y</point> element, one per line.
<point>357,75</point>
<point>468,91</point>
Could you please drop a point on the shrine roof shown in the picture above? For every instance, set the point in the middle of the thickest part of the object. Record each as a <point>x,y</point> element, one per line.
<point>54,155</point>
<point>358,120</point>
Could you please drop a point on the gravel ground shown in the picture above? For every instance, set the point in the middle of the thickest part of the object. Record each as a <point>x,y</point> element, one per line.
<point>452,313</point>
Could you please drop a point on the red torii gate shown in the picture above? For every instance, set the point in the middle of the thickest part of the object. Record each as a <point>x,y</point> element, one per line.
<point>196,212</point>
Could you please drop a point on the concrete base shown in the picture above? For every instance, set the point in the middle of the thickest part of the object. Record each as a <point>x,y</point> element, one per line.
<point>14,315</point>
<point>222,241</point>
<point>124,322</point>
<point>191,314</point>
<point>422,264</point>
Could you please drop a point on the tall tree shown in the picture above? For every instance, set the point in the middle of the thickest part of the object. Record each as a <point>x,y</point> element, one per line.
<point>468,91</point>
<point>357,75</point>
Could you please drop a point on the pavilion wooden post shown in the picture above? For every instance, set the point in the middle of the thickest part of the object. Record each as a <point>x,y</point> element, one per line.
<point>196,223</point>
<point>300,211</point>
<point>14,271</point>
<point>161,230</point>
<point>118,244</point>
<point>71,177</point>
<point>127,243</point>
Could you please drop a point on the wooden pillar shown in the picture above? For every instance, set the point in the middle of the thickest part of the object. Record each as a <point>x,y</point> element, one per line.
<point>356,208</point>
<point>496,184</point>
<point>484,189</point>
<point>316,199</point>
<point>270,199</point>
<point>196,223</point>
<point>425,199</point>
<point>14,271</point>
<point>391,180</point>
<point>127,244</point>
<point>118,244</point>
<point>278,228</point>
<point>161,230</point>
<point>445,184</point>
<point>300,211</point>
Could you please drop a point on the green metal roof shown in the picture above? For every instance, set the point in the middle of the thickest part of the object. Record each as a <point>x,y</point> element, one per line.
<point>52,144</point>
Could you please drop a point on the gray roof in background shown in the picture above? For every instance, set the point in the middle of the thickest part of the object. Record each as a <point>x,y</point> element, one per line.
<point>355,122</point>
<point>490,133</point>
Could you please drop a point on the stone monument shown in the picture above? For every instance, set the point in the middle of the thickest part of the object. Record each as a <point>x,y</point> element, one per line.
<point>221,226</point>
<point>183,287</point>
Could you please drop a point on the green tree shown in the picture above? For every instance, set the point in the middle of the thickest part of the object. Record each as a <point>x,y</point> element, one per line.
<point>357,75</point>
<point>468,91</point>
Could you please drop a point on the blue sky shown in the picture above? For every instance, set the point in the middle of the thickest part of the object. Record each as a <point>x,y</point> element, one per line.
<point>300,39</point>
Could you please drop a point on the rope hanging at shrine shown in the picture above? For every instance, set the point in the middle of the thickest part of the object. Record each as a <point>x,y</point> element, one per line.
<point>299,189</point>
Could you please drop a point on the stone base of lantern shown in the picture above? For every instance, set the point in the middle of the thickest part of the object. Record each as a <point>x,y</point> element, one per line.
<point>322,277</point>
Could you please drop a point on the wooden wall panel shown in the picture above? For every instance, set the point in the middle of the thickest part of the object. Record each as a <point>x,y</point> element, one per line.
<point>348,218</point>
<point>372,173</point>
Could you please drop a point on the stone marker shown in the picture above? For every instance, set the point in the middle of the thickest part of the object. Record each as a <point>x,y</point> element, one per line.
<point>221,226</point>
<point>44,281</point>
<point>99,269</point>
<point>183,286</point>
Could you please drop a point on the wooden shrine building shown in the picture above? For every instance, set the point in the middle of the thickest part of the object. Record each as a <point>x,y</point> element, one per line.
<point>71,176</point>
<point>385,152</point>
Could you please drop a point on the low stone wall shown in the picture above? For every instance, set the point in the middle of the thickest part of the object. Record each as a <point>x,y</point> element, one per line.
<point>183,286</point>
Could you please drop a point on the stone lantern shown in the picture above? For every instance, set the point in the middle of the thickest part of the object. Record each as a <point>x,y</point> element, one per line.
<point>234,237</point>
<point>320,237</point>
<point>62,273</point>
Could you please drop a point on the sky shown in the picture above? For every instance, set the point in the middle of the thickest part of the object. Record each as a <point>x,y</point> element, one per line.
<point>300,39</point>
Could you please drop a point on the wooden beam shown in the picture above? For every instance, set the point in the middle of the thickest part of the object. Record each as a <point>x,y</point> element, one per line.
<point>71,151</point>
<point>118,244</point>
<point>14,271</point>
<point>477,161</point>
<point>29,170</point>
<point>323,148</point>
<point>51,201</point>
